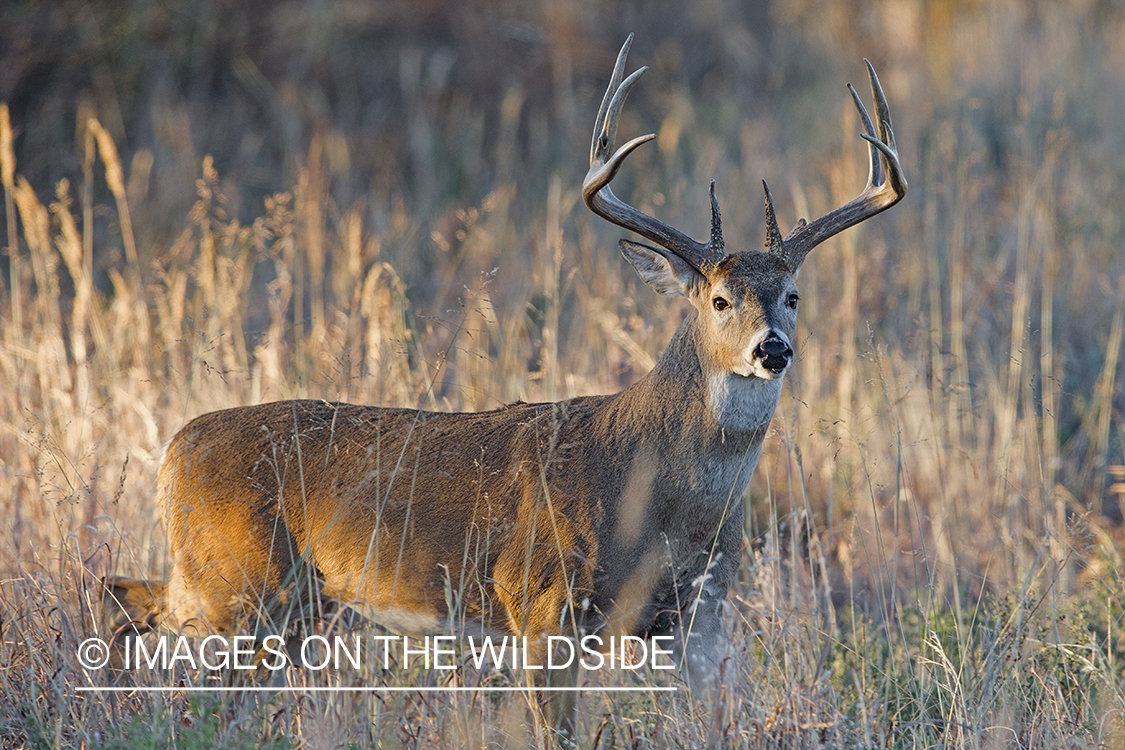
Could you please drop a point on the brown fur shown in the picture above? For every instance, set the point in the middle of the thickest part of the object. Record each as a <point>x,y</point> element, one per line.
<point>619,514</point>
<point>534,519</point>
<point>412,511</point>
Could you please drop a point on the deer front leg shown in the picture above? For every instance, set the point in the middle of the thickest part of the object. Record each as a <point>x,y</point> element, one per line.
<point>698,645</point>
<point>558,706</point>
<point>700,650</point>
<point>548,621</point>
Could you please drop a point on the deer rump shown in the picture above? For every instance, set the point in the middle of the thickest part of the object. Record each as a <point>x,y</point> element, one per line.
<point>534,519</point>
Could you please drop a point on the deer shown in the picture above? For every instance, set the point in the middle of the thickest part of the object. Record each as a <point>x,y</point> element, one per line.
<point>617,513</point>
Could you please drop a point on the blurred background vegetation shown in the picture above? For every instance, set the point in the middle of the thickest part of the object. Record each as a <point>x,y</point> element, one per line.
<point>217,202</point>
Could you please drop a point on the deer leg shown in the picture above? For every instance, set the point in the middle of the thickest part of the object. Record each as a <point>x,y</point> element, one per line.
<point>558,706</point>
<point>696,648</point>
<point>699,649</point>
<point>127,601</point>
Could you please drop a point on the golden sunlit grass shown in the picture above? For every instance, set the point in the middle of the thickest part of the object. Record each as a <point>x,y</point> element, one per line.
<point>932,556</point>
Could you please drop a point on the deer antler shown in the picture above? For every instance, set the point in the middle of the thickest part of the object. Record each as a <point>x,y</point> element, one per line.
<point>601,200</point>
<point>880,193</point>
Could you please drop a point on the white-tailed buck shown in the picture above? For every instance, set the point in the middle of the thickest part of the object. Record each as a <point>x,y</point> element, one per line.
<point>620,513</point>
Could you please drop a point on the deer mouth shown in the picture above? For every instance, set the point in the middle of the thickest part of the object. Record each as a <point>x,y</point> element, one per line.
<point>763,372</point>
<point>770,358</point>
<point>775,365</point>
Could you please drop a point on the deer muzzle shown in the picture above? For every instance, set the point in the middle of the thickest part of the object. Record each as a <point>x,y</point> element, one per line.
<point>774,354</point>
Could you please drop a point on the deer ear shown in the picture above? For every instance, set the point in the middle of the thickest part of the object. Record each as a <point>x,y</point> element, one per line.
<point>664,271</point>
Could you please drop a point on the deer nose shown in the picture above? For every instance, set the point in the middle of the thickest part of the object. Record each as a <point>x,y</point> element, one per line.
<point>774,354</point>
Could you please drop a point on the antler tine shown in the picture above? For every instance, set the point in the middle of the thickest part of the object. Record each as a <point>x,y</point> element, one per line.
<point>716,243</point>
<point>875,169</point>
<point>603,168</point>
<point>875,174</point>
<point>611,90</point>
<point>881,108</point>
<point>886,143</point>
<point>606,136</point>
<point>886,185</point>
<point>774,242</point>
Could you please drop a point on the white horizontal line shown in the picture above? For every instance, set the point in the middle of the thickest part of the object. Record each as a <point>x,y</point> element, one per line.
<point>314,689</point>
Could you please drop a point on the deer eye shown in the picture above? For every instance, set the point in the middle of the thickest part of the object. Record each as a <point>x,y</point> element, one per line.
<point>719,303</point>
<point>791,300</point>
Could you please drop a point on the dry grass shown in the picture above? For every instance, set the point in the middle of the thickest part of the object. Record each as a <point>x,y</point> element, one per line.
<point>933,557</point>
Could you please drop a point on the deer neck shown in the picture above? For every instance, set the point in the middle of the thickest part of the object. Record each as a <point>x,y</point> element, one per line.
<point>687,403</point>
<point>720,404</point>
<point>704,430</point>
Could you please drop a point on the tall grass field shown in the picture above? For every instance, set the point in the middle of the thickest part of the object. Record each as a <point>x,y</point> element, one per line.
<point>214,203</point>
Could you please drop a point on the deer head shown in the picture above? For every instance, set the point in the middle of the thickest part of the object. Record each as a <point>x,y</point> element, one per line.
<point>746,301</point>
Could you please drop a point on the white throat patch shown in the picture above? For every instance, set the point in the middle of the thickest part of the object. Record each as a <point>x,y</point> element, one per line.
<point>741,403</point>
